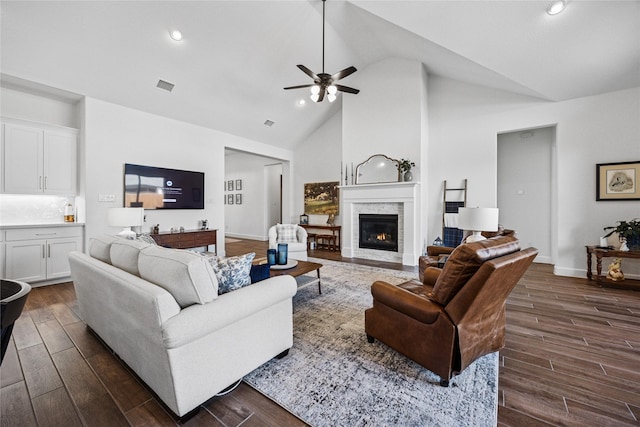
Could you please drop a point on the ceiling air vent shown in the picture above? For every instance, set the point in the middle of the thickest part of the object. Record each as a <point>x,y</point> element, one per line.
<point>269,123</point>
<point>165,85</point>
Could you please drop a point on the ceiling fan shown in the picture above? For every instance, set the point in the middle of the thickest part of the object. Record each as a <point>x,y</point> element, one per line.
<point>323,83</point>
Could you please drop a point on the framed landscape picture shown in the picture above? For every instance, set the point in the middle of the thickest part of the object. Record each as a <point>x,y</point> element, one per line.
<point>321,198</point>
<point>617,181</point>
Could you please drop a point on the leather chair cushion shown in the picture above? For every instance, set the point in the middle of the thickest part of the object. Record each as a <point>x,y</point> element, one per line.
<point>405,301</point>
<point>465,260</point>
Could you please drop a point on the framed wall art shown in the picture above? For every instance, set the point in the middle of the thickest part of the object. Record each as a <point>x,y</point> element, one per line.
<point>617,181</point>
<point>321,198</point>
<point>229,199</point>
<point>230,185</point>
<point>238,199</point>
<point>238,184</point>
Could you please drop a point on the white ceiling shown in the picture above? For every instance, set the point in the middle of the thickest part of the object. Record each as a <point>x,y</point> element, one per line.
<point>237,56</point>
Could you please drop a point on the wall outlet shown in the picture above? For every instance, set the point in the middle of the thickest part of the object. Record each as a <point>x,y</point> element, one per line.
<point>106,197</point>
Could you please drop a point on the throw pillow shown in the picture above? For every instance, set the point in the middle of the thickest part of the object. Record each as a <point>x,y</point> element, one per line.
<point>287,233</point>
<point>233,272</point>
<point>146,239</point>
<point>259,272</point>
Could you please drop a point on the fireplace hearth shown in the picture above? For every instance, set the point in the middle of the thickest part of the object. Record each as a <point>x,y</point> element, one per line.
<point>378,231</point>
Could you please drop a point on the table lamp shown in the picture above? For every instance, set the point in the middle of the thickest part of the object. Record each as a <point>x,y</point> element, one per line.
<point>127,218</point>
<point>477,220</point>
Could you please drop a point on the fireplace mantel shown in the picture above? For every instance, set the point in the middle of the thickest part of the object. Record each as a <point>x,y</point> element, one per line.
<point>403,196</point>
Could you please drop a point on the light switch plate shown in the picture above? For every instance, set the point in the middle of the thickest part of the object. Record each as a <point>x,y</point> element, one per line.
<point>106,197</point>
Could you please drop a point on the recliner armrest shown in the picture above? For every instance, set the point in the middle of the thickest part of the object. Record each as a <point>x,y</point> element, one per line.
<point>439,250</point>
<point>405,302</point>
<point>430,275</point>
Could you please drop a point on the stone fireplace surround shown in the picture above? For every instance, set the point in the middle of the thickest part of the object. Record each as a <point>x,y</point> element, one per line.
<point>399,198</point>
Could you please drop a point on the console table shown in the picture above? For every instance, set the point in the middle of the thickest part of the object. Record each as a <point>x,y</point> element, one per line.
<point>333,239</point>
<point>187,239</point>
<point>600,253</point>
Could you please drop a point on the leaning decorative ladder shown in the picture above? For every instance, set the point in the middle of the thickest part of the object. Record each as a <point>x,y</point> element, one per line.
<point>452,236</point>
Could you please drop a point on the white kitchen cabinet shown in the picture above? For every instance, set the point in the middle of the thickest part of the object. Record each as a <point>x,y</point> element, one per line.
<point>41,253</point>
<point>38,160</point>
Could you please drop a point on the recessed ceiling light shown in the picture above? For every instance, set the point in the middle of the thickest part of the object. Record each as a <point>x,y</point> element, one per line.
<point>176,35</point>
<point>301,102</point>
<point>556,7</point>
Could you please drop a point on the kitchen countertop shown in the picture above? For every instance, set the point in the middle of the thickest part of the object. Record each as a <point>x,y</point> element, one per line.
<point>41,225</point>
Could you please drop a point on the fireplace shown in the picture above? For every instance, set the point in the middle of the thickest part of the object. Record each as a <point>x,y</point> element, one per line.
<point>379,232</point>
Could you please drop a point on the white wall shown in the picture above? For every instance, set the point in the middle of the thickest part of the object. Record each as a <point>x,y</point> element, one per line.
<point>115,135</point>
<point>464,121</point>
<point>317,159</point>
<point>36,108</point>
<point>387,116</point>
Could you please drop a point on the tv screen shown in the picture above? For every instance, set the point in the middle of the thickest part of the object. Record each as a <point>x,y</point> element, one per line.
<point>160,188</point>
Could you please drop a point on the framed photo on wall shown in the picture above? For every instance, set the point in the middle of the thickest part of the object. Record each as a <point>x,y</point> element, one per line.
<point>230,185</point>
<point>229,199</point>
<point>238,199</point>
<point>238,184</point>
<point>617,181</point>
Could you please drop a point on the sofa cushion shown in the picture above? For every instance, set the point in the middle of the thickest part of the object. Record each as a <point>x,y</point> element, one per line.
<point>100,247</point>
<point>124,254</point>
<point>287,233</point>
<point>233,272</point>
<point>465,260</point>
<point>184,274</point>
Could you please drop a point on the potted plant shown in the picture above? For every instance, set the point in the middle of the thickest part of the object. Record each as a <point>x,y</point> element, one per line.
<point>629,231</point>
<point>404,167</point>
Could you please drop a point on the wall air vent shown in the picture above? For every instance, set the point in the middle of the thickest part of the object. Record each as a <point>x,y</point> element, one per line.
<point>165,85</point>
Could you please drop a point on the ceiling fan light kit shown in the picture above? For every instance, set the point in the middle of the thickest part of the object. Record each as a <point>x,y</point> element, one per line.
<point>323,83</point>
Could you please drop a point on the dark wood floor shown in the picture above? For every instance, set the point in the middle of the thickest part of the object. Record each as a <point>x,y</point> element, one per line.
<point>572,358</point>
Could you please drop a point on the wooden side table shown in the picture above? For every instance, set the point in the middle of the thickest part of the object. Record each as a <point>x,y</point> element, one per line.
<point>332,240</point>
<point>187,239</point>
<point>600,253</point>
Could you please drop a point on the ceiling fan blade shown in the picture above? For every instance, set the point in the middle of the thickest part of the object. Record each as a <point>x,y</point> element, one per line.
<point>344,73</point>
<point>299,86</point>
<point>321,95</point>
<point>308,72</point>
<point>347,89</point>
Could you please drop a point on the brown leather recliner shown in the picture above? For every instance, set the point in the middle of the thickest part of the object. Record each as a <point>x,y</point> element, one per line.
<point>457,314</point>
<point>437,254</point>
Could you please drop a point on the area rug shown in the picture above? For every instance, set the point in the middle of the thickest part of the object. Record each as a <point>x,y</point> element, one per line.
<point>334,377</point>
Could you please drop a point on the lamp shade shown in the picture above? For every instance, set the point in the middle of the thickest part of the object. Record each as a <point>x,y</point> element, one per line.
<point>478,220</point>
<point>127,218</point>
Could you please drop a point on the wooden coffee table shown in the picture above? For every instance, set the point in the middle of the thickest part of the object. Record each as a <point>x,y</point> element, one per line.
<point>297,272</point>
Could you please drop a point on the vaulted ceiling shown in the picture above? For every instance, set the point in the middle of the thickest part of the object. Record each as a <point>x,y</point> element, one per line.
<point>236,56</point>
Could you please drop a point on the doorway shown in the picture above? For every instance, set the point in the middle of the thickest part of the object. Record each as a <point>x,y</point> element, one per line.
<point>273,191</point>
<point>526,181</point>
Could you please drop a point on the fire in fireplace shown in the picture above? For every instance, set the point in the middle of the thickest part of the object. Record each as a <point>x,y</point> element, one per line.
<point>379,232</point>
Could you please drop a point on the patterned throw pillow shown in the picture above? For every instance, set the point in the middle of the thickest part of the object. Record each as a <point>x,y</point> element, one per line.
<point>146,239</point>
<point>232,272</point>
<point>287,233</point>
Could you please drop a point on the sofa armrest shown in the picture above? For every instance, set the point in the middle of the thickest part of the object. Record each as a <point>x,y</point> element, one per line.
<point>198,320</point>
<point>405,302</point>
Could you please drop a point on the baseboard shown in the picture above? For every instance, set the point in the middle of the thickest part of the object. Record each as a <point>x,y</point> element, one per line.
<point>247,236</point>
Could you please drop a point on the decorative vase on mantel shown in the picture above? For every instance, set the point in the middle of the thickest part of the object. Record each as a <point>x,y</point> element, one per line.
<point>408,176</point>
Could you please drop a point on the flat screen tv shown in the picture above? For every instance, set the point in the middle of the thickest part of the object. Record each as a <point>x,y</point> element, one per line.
<point>160,188</point>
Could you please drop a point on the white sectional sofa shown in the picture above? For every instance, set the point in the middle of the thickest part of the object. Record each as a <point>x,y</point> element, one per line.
<point>160,312</point>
